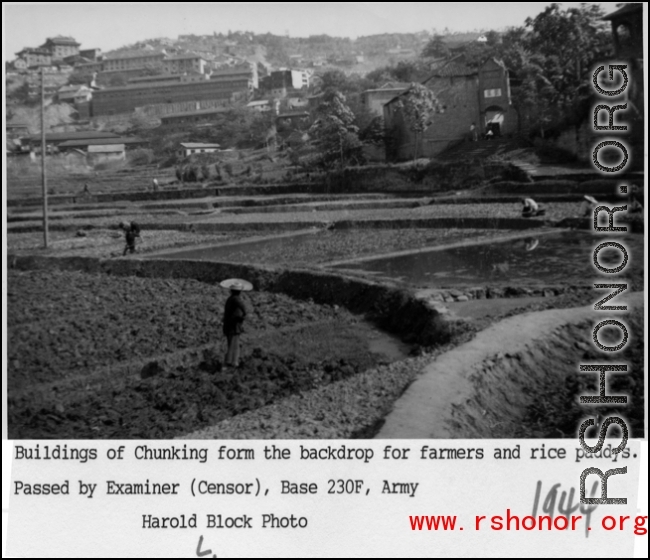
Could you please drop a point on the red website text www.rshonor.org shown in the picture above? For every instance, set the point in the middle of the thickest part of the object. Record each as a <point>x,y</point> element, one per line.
<point>511,522</point>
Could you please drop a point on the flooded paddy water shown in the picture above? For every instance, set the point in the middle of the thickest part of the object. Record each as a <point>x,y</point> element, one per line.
<point>551,258</point>
<point>319,247</point>
<point>434,258</point>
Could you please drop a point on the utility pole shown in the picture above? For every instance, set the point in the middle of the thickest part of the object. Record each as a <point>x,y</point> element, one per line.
<point>43,152</point>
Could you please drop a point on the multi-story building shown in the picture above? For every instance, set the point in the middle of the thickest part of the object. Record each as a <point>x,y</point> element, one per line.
<point>225,89</point>
<point>182,63</point>
<point>89,67</point>
<point>60,47</point>
<point>246,69</point>
<point>468,96</point>
<point>35,57</point>
<point>281,82</point>
<point>138,60</point>
<point>53,80</point>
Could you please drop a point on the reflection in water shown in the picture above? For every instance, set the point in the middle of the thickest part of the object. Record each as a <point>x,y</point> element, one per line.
<point>550,258</point>
<point>531,244</point>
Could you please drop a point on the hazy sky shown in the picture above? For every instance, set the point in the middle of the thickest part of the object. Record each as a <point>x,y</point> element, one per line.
<point>111,25</point>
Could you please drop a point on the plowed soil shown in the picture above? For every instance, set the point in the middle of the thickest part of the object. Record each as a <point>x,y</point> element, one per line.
<point>95,356</point>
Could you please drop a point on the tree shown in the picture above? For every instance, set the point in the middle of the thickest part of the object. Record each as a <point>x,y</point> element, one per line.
<point>374,134</point>
<point>562,46</point>
<point>418,105</point>
<point>436,48</point>
<point>404,71</point>
<point>117,80</point>
<point>335,133</point>
<point>151,70</point>
<point>334,79</point>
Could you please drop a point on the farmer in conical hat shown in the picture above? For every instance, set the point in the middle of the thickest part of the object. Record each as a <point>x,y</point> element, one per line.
<point>531,208</point>
<point>233,319</point>
<point>587,206</point>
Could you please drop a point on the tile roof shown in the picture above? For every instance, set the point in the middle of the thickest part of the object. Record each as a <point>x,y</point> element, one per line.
<point>184,57</point>
<point>61,40</point>
<point>81,135</point>
<point>453,68</point>
<point>627,9</point>
<point>211,111</point>
<point>103,141</point>
<point>132,54</point>
<point>198,145</point>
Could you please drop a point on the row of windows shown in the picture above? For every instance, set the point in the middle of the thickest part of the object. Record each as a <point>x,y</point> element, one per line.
<point>176,91</point>
<point>130,104</point>
<point>200,151</point>
<point>496,92</point>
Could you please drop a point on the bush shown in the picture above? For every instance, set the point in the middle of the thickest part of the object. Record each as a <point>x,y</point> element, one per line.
<point>169,161</point>
<point>550,153</point>
<point>140,156</point>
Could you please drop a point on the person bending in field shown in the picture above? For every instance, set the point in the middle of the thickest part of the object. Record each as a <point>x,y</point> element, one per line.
<point>233,325</point>
<point>531,208</point>
<point>587,207</point>
<point>131,232</point>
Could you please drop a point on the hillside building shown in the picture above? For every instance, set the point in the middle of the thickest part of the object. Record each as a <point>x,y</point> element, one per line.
<point>182,63</point>
<point>375,99</point>
<point>75,94</point>
<point>116,100</point>
<point>34,57</point>
<point>468,96</point>
<point>105,153</point>
<point>52,78</point>
<point>57,138</point>
<point>87,143</point>
<point>61,47</point>
<point>186,149</point>
<point>279,83</point>
<point>137,60</point>
<point>189,119</point>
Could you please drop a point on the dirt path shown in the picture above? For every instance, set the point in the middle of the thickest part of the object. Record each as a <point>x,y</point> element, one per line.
<point>470,390</point>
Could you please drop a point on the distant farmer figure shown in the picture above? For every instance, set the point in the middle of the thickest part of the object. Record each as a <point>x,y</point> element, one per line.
<point>86,189</point>
<point>587,207</point>
<point>473,132</point>
<point>233,318</point>
<point>131,231</point>
<point>635,207</point>
<point>531,208</point>
<point>155,184</point>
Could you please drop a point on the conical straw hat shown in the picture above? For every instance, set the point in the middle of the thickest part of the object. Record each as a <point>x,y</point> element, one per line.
<point>236,284</point>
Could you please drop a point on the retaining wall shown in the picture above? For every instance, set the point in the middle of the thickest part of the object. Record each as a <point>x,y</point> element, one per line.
<point>395,310</point>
